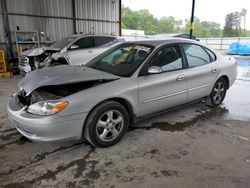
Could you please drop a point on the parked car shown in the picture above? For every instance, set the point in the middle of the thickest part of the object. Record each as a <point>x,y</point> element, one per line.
<point>75,49</point>
<point>130,81</point>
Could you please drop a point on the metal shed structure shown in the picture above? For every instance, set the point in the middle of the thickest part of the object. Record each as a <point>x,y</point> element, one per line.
<point>59,18</point>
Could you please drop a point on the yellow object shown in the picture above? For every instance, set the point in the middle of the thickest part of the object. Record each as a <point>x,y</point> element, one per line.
<point>3,67</point>
<point>20,50</point>
<point>191,26</point>
<point>60,106</point>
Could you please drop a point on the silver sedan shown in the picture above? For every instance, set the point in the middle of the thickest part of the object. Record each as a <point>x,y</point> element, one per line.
<point>128,82</point>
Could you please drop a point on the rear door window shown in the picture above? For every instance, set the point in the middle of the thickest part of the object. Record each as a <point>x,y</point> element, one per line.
<point>211,54</point>
<point>196,55</point>
<point>85,42</point>
<point>102,41</point>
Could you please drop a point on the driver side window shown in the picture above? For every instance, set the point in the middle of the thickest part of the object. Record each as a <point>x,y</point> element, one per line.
<point>168,58</point>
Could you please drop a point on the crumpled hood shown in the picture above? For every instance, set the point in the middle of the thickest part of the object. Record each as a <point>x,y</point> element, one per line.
<point>59,75</point>
<point>38,51</point>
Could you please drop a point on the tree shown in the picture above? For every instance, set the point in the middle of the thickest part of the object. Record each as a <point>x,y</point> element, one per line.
<point>243,14</point>
<point>140,20</point>
<point>144,20</point>
<point>169,25</point>
<point>213,27</point>
<point>232,26</point>
<point>199,29</point>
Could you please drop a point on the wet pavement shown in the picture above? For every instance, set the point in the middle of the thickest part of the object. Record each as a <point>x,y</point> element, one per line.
<point>195,146</point>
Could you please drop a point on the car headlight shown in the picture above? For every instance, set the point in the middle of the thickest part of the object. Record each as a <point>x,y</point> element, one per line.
<point>45,108</point>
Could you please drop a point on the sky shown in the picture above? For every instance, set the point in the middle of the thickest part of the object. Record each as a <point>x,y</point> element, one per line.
<point>210,10</point>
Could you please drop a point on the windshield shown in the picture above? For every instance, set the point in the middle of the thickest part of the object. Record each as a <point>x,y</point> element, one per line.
<point>63,43</point>
<point>122,60</point>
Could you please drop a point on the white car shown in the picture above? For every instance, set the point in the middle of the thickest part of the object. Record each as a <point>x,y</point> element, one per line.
<point>74,50</point>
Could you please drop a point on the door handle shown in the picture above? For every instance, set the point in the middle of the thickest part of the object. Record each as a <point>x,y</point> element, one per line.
<point>214,70</point>
<point>180,78</point>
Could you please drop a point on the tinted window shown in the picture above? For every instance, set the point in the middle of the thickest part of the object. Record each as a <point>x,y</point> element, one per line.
<point>211,54</point>
<point>168,58</point>
<point>85,42</point>
<point>122,60</point>
<point>195,54</point>
<point>101,41</point>
<point>63,43</point>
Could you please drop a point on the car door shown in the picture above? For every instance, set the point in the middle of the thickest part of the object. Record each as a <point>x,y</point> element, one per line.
<point>202,71</point>
<point>167,89</point>
<point>81,52</point>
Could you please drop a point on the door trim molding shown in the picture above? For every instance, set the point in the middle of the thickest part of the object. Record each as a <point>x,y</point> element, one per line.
<point>199,87</point>
<point>165,96</point>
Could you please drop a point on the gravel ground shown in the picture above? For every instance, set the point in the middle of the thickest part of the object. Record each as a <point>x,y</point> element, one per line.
<point>194,146</point>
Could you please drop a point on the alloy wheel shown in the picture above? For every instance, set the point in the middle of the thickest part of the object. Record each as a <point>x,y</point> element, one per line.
<point>219,92</point>
<point>109,125</point>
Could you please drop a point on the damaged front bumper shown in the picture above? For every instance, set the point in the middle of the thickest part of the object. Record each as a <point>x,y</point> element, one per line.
<point>24,69</point>
<point>45,128</point>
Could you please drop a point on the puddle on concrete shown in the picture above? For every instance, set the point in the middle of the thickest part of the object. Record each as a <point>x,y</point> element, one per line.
<point>237,101</point>
<point>181,126</point>
<point>51,174</point>
<point>243,65</point>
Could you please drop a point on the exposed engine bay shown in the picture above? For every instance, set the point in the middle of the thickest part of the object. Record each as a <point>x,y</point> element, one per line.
<point>53,92</point>
<point>41,57</point>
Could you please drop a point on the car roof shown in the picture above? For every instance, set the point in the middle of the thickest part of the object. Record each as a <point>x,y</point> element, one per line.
<point>157,42</point>
<point>91,35</point>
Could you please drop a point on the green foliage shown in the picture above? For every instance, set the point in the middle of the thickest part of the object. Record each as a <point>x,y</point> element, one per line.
<point>140,20</point>
<point>213,27</point>
<point>233,24</point>
<point>143,20</point>
<point>168,25</point>
<point>231,28</point>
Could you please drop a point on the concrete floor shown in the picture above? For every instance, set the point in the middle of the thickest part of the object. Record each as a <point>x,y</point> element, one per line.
<point>195,146</point>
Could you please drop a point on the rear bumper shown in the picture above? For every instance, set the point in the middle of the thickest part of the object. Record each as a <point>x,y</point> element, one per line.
<point>45,128</point>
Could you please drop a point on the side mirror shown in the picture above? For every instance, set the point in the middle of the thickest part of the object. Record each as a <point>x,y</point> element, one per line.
<point>73,47</point>
<point>154,70</point>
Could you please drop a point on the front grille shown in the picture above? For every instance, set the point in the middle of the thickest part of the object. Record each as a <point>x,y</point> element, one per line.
<point>23,60</point>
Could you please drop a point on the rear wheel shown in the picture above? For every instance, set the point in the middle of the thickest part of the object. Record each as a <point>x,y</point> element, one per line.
<point>218,93</point>
<point>106,124</point>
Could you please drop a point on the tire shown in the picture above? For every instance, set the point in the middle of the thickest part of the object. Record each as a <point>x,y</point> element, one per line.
<point>106,124</point>
<point>218,93</point>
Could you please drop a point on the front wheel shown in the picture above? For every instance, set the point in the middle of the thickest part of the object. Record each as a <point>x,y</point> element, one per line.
<point>218,93</point>
<point>106,124</point>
